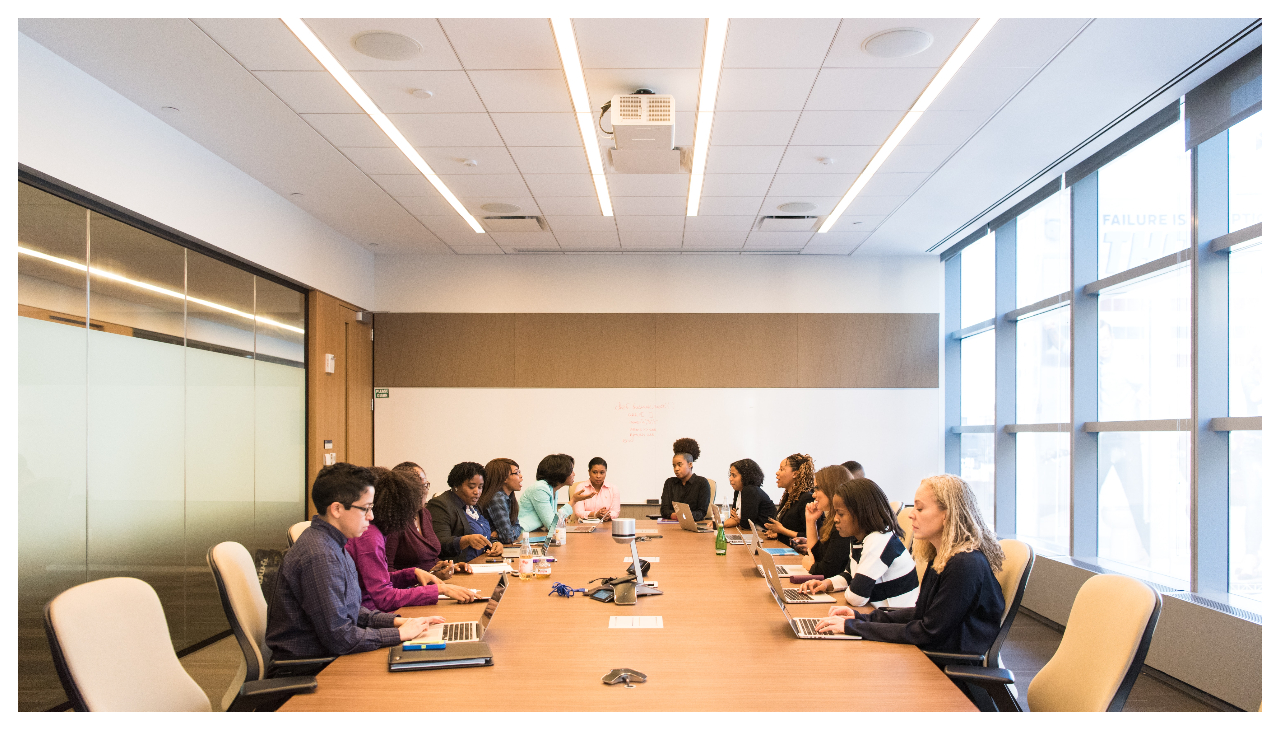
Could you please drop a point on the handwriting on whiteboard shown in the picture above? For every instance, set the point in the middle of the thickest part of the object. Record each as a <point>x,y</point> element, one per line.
<point>640,419</point>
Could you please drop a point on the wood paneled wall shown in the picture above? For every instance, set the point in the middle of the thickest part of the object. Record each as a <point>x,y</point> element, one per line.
<point>656,350</point>
<point>339,404</point>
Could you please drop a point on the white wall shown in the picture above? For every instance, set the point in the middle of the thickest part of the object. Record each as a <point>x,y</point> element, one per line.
<point>74,128</point>
<point>658,283</point>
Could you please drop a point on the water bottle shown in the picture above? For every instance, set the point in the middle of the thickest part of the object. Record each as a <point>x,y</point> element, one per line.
<point>526,557</point>
<point>542,568</point>
<point>722,542</point>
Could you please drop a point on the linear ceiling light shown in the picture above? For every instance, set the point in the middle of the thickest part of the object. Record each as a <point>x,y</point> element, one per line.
<point>572,63</point>
<point>157,289</point>
<point>335,69</point>
<point>948,70</point>
<point>712,57</point>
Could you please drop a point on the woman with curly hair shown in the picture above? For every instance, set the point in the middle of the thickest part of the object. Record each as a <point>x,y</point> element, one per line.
<point>397,497</point>
<point>685,486</point>
<point>746,478</point>
<point>795,477</point>
<point>959,606</point>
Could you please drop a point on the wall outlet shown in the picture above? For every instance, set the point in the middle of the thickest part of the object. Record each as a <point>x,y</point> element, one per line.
<point>330,365</point>
<point>330,459</point>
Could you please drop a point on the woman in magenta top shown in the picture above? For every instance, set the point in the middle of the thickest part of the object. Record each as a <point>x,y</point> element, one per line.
<point>397,498</point>
<point>604,501</point>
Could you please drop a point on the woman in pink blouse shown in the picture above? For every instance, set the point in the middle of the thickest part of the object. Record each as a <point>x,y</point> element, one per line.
<point>603,501</point>
<point>397,497</point>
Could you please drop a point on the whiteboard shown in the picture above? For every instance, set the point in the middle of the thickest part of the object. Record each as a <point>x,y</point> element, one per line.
<point>896,434</point>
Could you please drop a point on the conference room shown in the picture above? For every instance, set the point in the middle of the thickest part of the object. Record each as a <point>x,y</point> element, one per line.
<point>1025,252</point>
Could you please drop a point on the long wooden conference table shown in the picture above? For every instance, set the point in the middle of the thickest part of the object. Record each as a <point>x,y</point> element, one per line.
<point>723,646</point>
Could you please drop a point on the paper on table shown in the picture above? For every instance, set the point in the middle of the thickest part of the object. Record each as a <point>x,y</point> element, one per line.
<point>491,568</point>
<point>635,622</point>
<point>646,532</point>
<point>627,561</point>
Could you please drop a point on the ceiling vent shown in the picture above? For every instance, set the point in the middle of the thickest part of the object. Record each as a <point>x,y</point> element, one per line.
<point>644,133</point>
<point>386,45</point>
<point>513,223</point>
<point>788,222</point>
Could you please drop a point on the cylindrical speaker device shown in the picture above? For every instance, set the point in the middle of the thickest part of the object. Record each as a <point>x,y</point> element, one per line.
<point>624,530</point>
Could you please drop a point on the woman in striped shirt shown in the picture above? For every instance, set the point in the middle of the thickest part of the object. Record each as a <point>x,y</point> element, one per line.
<point>881,572</point>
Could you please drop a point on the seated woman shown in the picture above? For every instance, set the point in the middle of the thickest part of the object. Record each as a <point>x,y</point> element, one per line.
<point>959,605</point>
<point>502,479</point>
<point>795,476</point>
<point>538,503</point>
<point>828,548</point>
<point>855,469</point>
<point>878,569</point>
<point>600,501</point>
<point>416,546</point>
<point>463,532</point>
<point>396,499</point>
<point>685,486</point>
<point>746,478</point>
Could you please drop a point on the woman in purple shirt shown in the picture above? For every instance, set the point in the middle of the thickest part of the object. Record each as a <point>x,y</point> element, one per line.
<point>397,498</point>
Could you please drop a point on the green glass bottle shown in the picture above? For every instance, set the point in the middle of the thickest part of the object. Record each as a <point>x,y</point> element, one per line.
<point>722,543</point>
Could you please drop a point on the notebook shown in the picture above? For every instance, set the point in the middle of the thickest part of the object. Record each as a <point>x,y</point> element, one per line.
<point>469,654</point>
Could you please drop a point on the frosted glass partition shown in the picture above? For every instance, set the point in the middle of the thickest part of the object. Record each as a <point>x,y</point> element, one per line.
<point>174,421</point>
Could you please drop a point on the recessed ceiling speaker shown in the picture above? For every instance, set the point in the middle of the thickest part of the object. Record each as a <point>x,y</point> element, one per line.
<point>386,46</point>
<point>421,93</point>
<point>796,207</point>
<point>897,43</point>
<point>500,208</point>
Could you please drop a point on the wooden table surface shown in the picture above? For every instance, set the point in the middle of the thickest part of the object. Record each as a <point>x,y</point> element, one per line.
<point>724,646</point>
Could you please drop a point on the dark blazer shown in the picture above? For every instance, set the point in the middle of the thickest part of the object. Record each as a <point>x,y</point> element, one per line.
<point>830,556</point>
<point>696,493</point>
<point>793,517</point>
<point>448,517</point>
<point>756,507</point>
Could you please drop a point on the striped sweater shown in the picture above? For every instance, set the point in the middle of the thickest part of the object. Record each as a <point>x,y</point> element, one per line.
<point>881,573</point>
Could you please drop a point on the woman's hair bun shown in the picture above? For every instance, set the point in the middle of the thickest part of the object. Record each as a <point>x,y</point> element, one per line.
<point>687,446</point>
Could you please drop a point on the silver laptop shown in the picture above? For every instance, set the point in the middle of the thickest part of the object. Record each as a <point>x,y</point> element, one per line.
<point>468,630</point>
<point>681,512</point>
<point>804,628</point>
<point>784,571</point>
<point>790,595</point>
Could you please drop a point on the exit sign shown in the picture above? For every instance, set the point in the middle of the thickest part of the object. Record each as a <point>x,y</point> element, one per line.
<point>381,393</point>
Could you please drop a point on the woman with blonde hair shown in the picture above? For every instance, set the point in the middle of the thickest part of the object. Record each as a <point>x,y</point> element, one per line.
<point>795,477</point>
<point>959,606</point>
<point>828,550</point>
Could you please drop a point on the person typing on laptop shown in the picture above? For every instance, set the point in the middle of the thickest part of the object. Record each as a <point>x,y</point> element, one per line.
<point>960,603</point>
<point>315,610</point>
<point>747,479</point>
<point>685,486</point>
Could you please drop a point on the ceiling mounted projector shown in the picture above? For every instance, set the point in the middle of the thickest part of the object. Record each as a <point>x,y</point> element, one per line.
<point>644,133</point>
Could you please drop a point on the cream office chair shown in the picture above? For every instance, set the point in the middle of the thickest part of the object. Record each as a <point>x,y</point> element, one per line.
<point>295,531</point>
<point>111,647</point>
<point>710,504</point>
<point>1103,647</point>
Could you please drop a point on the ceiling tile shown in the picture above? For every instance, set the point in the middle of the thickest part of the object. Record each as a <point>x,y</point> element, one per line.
<point>551,160</point>
<point>406,186</point>
<point>874,204</point>
<point>856,223</point>
<point>438,223</point>
<point>834,238</point>
<point>814,249</point>
<point>500,43</point>
<point>945,127</point>
<point>822,204</point>
<point>464,238</point>
<point>753,128</point>
<point>523,91</point>
<point>648,185</point>
<point>581,223</point>
<point>348,130</point>
<point>1023,42</point>
<point>430,205</point>
<point>486,186</point>
<point>719,223</point>
<point>917,157</point>
<point>571,206</point>
<point>309,92</point>
<point>452,160</point>
<point>868,89</point>
<point>588,239</point>
<point>778,42</point>
<point>845,127</point>
<point>893,183</point>
<point>477,250</point>
<point>778,239</point>
<point>717,239</point>
<point>842,159</point>
<point>640,43</point>
<point>451,91</point>
<point>730,206</point>
<point>685,122</point>
<point>632,223</point>
<point>560,186</point>
<point>846,50</point>
<point>532,239</point>
<point>648,206</point>
<point>538,130</point>
<point>807,186</point>
<point>981,88</point>
<point>526,204</point>
<point>338,34</point>
<point>380,160</point>
<point>604,83</point>
<point>764,89</point>
<point>260,44</point>
<point>728,160</point>
<point>447,130</point>
<point>663,239</point>
<point>735,186</point>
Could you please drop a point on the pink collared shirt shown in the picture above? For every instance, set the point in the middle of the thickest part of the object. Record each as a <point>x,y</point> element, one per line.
<point>606,497</point>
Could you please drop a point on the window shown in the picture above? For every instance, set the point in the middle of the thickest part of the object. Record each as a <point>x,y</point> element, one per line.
<point>1043,474</point>
<point>1144,501</point>
<point>1044,250</point>
<point>1245,181</point>
<point>1144,349</point>
<point>1144,200</point>
<point>977,283</point>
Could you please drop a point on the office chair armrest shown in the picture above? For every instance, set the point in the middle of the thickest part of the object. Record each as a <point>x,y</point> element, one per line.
<point>269,694</point>
<point>943,658</point>
<point>308,666</point>
<point>981,676</point>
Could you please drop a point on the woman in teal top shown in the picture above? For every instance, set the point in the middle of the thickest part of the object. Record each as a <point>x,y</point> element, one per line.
<point>538,503</point>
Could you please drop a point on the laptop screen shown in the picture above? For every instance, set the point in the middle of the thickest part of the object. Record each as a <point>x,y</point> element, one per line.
<point>775,586</point>
<point>494,597</point>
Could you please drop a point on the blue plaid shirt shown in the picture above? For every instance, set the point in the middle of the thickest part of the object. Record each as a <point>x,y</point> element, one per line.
<point>499,513</point>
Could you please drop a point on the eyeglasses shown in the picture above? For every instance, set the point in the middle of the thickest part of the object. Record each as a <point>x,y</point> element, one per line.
<point>368,511</point>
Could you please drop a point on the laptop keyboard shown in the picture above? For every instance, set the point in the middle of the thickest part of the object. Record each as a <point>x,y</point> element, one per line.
<point>808,626</point>
<point>796,596</point>
<point>736,539</point>
<point>459,632</point>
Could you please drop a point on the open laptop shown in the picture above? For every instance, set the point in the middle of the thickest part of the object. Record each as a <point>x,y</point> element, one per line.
<point>804,628</point>
<point>790,595</point>
<point>681,512</point>
<point>468,630</point>
<point>784,571</point>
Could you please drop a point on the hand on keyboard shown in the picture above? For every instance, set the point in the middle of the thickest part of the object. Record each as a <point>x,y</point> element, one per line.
<point>844,611</point>
<point>831,625</point>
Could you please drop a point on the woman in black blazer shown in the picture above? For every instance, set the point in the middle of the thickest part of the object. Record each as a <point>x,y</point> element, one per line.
<point>746,478</point>
<point>462,529</point>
